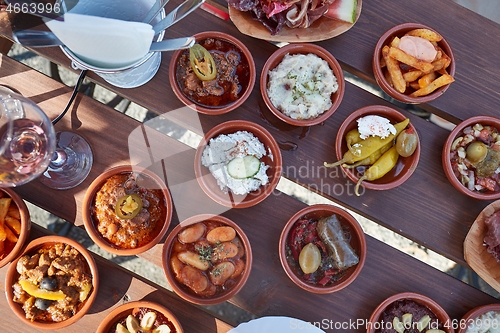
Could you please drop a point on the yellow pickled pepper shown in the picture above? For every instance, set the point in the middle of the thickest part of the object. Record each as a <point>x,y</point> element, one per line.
<point>370,159</point>
<point>380,168</point>
<point>364,148</point>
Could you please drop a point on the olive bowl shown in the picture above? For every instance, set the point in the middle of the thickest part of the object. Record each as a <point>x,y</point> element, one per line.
<point>13,275</point>
<point>357,242</point>
<point>449,169</point>
<point>405,166</point>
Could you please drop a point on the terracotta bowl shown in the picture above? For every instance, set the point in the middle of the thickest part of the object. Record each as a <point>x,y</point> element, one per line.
<point>385,39</point>
<point>11,249</point>
<point>405,165</point>
<point>246,76</point>
<point>473,314</point>
<point>12,277</point>
<point>231,286</point>
<point>434,307</point>
<point>303,48</point>
<point>90,220</point>
<point>357,242</point>
<point>209,184</point>
<point>484,120</point>
<point>123,311</point>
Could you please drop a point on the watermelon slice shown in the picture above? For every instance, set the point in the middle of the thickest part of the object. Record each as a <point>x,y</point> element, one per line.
<point>344,10</point>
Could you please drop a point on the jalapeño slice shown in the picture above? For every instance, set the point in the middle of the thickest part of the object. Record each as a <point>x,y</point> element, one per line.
<point>202,62</point>
<point>128,206</point>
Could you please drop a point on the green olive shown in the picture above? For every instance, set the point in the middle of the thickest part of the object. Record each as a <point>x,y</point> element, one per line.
<point>202,63</point>
<point>309,258</point>
<point>406,143</point>
<point>476,152</point>
<point>128,206</point>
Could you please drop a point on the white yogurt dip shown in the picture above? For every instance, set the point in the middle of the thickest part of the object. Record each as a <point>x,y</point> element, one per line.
<point>488,322</point>
<point>224,148</point>
<point>375,126</point>
<point>301,86</point>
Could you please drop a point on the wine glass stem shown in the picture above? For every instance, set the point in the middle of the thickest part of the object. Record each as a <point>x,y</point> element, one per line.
<point>59,158</point>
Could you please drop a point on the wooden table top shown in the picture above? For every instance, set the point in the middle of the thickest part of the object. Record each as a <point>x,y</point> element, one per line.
<point>415,209</point>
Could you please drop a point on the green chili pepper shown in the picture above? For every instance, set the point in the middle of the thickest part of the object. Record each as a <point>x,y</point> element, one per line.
<point>380,168</point>
<point>363,149</point>
<point>370,159</point>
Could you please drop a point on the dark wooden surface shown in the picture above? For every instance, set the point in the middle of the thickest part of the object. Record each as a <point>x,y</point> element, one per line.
<point>427,209</point>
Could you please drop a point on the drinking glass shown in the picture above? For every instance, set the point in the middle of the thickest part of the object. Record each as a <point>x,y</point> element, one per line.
<point>30,147</point>
<point>27,139</point>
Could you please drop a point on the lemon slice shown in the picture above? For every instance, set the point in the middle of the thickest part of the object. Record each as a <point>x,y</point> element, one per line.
<point>34,291</point>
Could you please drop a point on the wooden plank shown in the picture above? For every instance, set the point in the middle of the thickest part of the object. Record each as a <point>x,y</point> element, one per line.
<point>117,286</point>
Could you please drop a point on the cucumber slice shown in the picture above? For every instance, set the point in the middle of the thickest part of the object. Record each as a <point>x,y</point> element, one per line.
<point>243,167</point>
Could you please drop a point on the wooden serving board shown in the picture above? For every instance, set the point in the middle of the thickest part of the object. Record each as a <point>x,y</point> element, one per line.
<point>475,253</point>
<point>323,28</point>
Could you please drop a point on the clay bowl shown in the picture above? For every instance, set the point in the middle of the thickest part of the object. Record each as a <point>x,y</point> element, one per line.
<point>405,165</point>
<point>152,182</point>
<point>12,277</point>
<point>303,48</point>
<point>224,292</point>
<point>469,318</point>
<point>450,174</point>
<point>123,311</point>
<point>13,248</point>
<point>357,242</point>
<point>385,39</point>
<point>246,75</point>
<point>434,307</point>
<point>209,184</point>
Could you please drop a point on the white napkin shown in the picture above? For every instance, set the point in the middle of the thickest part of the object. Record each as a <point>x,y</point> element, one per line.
<point>104,42</point>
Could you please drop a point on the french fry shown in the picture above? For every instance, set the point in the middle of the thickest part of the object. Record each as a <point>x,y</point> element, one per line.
<point>414,85</point>
<point>14,224</point>
<point>398,81</point>
<point>10,236</point>
<point>430,35</point>
<point>411,76</point>
<point>425,80</point>
<point>14,212</point>
<point>3,234</point>
<point>395,42</point>
<point>405,58</point>
<point>437,83</point>
<point>4,208</point>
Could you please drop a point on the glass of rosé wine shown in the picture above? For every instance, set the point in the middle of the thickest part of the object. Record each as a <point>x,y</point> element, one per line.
<point>30,147</point>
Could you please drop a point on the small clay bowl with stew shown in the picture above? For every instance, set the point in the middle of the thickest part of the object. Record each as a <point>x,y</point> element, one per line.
<point>301,245</point>
<point>417,305</point>
<point>381,73</point>
<point>207,259</point>
<point>42,295</point>
<point>405,166</point>
<point>234,81</point>
<point>489,188</point>
<point>303,49</point>
<point>144,215</point>
<point>239,133</point>
<point>160,315</point>
<point>17,225</point>
<point>483,317</point>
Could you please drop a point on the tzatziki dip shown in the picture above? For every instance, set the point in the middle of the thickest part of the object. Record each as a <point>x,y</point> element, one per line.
<point>234,161</point>
<point>301,86</point>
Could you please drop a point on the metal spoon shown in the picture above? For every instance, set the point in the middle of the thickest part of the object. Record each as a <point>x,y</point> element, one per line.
<point>36,38</point>
<point>153,12</point>
<point>177,14</point>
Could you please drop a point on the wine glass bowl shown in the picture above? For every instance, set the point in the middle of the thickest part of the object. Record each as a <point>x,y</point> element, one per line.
<point>27,139</point>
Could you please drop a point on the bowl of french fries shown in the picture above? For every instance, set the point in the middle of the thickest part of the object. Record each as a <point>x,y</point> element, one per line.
<point>413,63</point>
<point>15,225</point>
